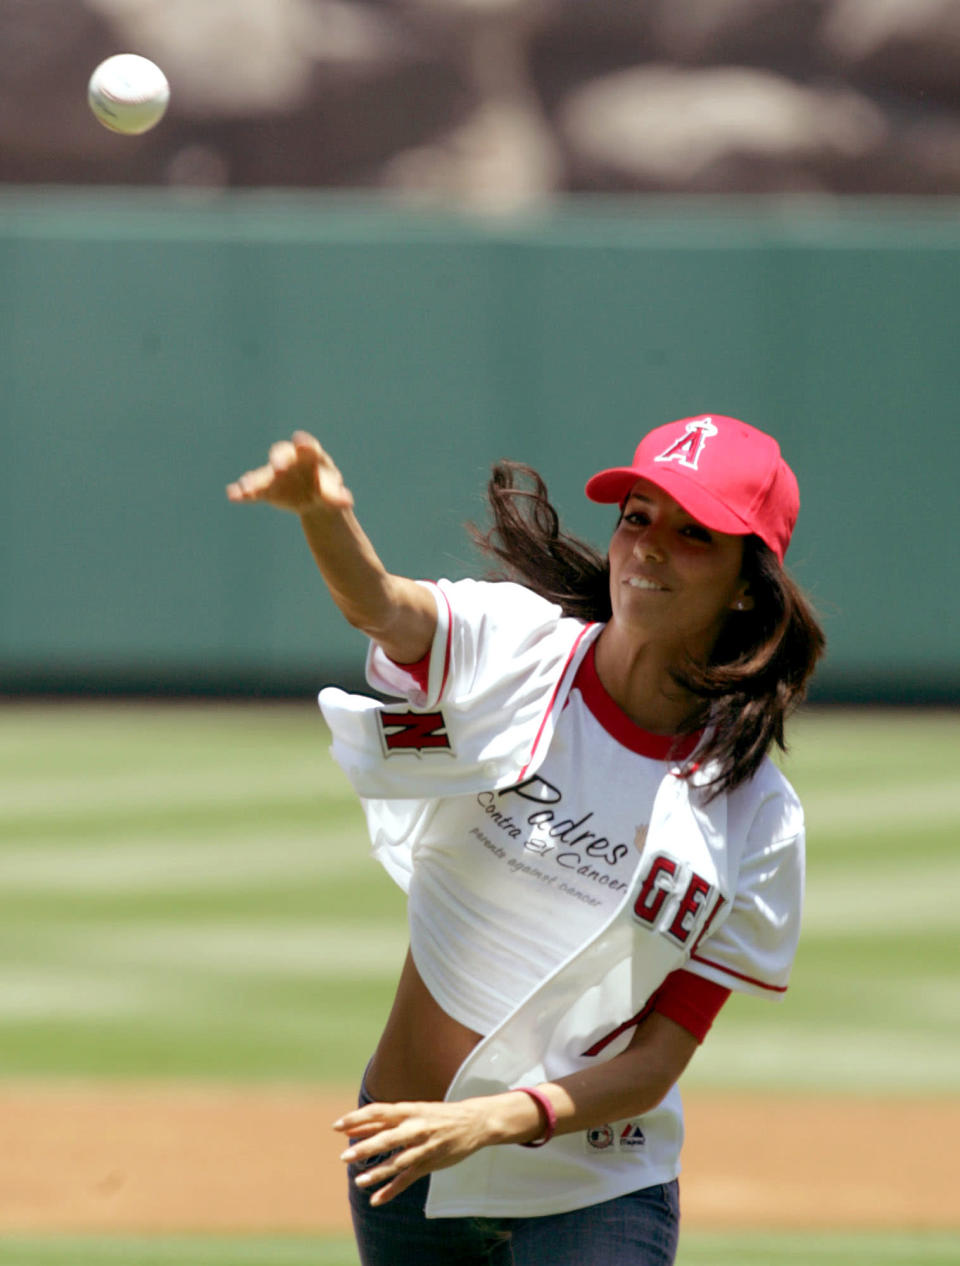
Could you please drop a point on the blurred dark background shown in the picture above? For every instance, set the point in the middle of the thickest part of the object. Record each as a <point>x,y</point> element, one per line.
<point>441,232</point>
<point>498,100</point>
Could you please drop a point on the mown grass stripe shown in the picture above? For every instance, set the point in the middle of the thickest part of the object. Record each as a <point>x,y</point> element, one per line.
<point>696,1249</point>
<point>176,1251</point>
<point>153,863</point>
<point>886,898</point>
<point>151,789</point>
<point>853,1057</point>
<point>333,950</point>
<point>867,808</point>
<point>208,890</point>
<point>818,1249</point>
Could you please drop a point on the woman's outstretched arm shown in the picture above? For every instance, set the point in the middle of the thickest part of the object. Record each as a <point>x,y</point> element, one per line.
<point>301,477</point>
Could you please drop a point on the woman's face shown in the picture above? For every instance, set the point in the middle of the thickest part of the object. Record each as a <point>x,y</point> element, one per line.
<point>672,579</point>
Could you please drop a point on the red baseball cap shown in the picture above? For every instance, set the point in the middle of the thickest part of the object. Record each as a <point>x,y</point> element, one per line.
<point>728,475</point>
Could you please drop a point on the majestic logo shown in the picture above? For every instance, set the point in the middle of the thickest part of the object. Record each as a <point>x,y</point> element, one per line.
<point>415,732</point>
<point>600,1138</point>
<point>631,1136</point>
<point>687,449</point>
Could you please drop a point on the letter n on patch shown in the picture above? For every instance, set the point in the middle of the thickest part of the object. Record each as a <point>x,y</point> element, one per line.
<point>413,732</point>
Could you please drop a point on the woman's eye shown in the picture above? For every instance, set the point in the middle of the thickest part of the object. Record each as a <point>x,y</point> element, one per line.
<point>697,533</point>
<point>637,517</point>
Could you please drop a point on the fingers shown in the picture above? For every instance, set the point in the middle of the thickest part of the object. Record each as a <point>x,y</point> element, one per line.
<point>408,1140</point>
<point>374,1131</point>
<point>282,455</point>
<point>362,1131</point>
<point>398,1169</point>
<point>401,1176</point>
<point>289,477</point>
<point>393,1131</point>
<point>304,440</point>
<point>251,485</point>
<point>372,1114</point>
<point>301,447</point>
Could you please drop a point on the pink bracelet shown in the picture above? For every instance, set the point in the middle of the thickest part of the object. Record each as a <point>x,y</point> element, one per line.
<point>546,1107</point>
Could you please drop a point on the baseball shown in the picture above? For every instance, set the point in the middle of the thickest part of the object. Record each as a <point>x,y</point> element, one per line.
<point>128,94</point>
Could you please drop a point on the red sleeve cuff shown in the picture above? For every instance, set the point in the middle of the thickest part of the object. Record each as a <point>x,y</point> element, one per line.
<point>420,671</point>
<point>690,1001</point>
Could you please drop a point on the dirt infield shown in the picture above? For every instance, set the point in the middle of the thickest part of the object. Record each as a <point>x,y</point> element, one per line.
<point>253,1159</point>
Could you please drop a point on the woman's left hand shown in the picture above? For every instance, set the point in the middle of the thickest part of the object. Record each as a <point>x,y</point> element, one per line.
<point>422,1137</point>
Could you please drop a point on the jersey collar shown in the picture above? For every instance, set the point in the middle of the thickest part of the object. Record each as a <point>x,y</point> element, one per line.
<point>619,725</point>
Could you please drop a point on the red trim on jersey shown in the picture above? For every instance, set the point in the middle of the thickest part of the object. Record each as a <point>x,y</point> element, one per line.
<point>420,671</point>
<point>602,1043</point>
<point>691,1001</point>
<point>619,726</point>
<point>553,699</point>
<point>728,971</point>
<point>447,648</point>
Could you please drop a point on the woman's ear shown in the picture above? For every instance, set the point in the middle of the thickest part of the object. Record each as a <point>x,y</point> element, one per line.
<point>744,599</point>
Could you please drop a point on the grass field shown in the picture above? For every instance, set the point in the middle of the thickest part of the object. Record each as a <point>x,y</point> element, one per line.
<point>697,1250</point>
<point>186,893</point>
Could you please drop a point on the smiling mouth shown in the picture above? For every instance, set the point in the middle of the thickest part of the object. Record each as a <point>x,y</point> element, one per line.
<point>641,582</point>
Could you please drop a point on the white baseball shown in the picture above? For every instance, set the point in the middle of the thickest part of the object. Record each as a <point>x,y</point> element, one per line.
<point>128,93</point>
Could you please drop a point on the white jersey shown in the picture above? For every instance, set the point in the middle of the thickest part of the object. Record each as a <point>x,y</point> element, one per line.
<point>715,888</point>
<point>517,880</point>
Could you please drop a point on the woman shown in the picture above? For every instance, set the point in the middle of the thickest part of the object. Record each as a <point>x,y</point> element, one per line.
<point>577,796</point>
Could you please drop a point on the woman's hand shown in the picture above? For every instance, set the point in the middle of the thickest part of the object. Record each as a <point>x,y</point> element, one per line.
<point>395,611</point>
<point>423,1137</point>
<point>299,476</point>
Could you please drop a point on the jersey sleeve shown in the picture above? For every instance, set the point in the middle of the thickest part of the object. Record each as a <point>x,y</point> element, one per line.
<point>486,632</point>
<point>420,684</point>
<point>753,949</point>
<point>691,1001</point>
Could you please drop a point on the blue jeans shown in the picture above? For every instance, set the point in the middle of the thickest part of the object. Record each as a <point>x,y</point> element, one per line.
<point>638,1229</point>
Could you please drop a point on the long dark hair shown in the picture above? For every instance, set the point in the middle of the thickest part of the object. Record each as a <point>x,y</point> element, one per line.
<point>760,665</point>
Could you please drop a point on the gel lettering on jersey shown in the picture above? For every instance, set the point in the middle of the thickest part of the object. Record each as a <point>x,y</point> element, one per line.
<point>656,887</point>
<point>690,908</point>
<point>415,732</point>
<point>663,880</point>
<point>687,449</point>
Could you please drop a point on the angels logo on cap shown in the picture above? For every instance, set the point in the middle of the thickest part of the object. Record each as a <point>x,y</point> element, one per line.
<point>728,475</point>
<point>687,449</point>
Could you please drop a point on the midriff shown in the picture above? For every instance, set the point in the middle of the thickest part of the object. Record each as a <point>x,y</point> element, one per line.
<point>421,1047</point>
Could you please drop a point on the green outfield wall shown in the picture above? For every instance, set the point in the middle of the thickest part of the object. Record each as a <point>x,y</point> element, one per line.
<point>152,346</point>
